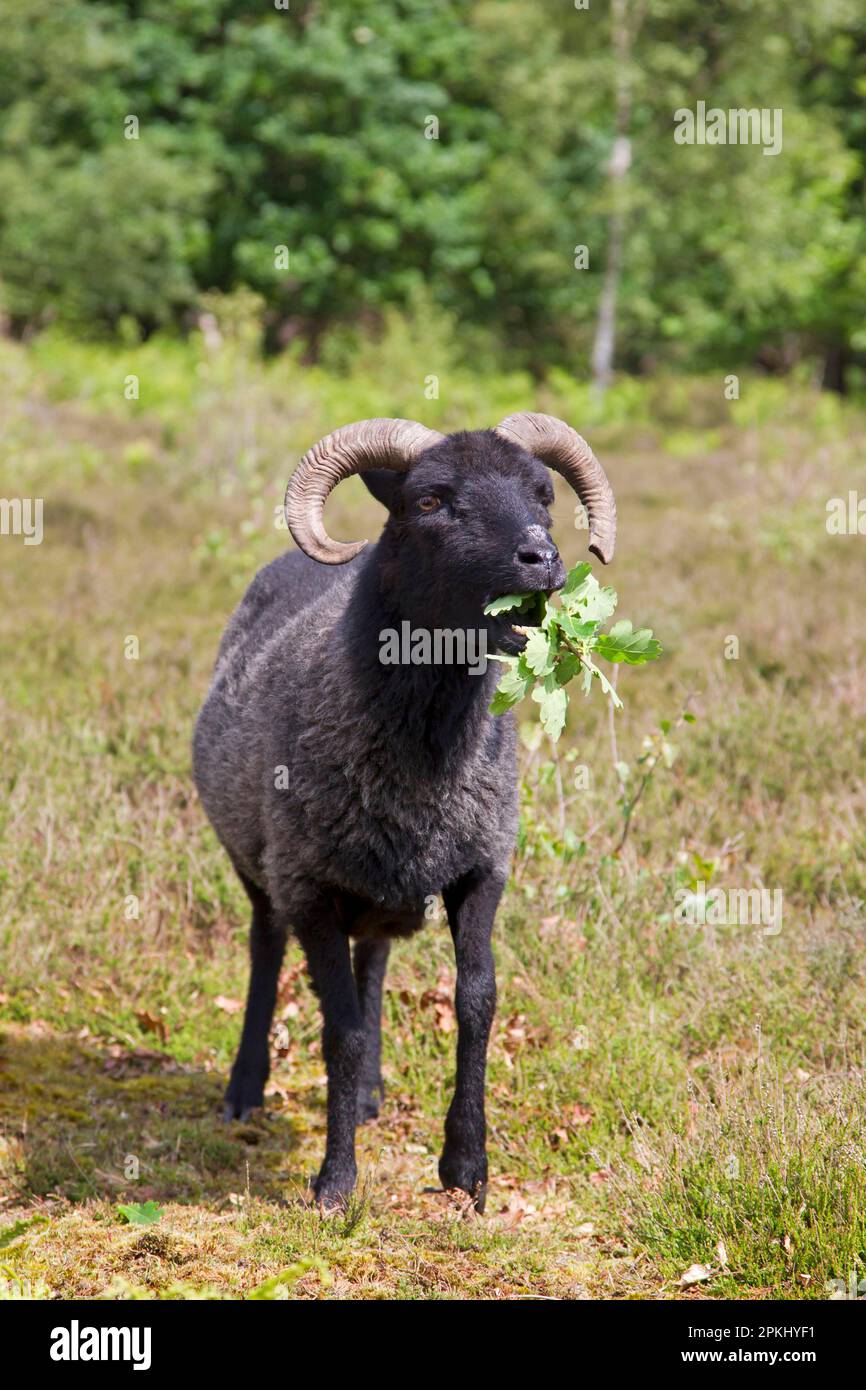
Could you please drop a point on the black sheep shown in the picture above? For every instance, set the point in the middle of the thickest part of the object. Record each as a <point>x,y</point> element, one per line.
<point>348,791</point>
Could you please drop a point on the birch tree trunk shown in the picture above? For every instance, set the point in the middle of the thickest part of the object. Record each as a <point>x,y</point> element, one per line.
<point>623,29</point>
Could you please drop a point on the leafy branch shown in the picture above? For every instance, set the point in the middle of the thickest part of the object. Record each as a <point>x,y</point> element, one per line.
<point>563,646</point>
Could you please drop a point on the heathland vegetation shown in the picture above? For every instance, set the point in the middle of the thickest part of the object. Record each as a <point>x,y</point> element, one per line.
<point>662,1095</point>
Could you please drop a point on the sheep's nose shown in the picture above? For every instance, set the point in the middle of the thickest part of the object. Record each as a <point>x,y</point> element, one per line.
<point>537,553</point>
<point>536,548</point>
<point>538,560</point>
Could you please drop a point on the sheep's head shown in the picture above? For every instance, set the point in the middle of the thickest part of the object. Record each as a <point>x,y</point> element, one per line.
<point>468,513</point>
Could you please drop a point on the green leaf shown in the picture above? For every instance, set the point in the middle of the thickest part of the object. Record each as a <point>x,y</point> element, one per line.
<point>599,603</point>
<point>539,652</point>
<point>575,578</point>
<point>623,643</point>
<point>551,618</point>
<point>567,667</point>
<point>513,685</point>
<point>506,602</point>
<point>141,1213</point>
<point>588,602</point>
<point>572,626</point>
<point>553,702</point>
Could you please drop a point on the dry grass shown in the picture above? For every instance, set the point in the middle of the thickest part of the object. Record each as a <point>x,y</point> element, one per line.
<point>632,1057</point>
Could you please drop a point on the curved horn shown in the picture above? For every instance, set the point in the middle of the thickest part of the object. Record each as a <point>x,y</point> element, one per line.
<point>562,448</point>
<point>366,444</point>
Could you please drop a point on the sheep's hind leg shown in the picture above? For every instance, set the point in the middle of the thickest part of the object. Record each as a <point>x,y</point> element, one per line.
<point>246,1088</point>
<point>330,963</point>
<point>370,961</point>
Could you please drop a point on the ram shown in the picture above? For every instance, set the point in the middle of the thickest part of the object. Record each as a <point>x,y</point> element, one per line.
<point>349,790</point>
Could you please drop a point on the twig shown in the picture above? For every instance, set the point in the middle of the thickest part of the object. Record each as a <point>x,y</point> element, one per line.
<point>647,777</point>
<point>630,805</point>
<point>614,754</point>
<point>560,794</point>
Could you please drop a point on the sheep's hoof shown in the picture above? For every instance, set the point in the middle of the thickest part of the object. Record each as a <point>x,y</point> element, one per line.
<point>243,1097</point>
<point>332,1191</point>
<point>466,1175</point>
<point>231,1113</point>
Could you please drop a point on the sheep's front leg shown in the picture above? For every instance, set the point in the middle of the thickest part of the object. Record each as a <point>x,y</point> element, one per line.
<point>471,904</point>
<point>371,960</point>
<point>329,960</point>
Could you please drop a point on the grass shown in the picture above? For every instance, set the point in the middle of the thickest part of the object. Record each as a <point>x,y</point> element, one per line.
<point>660,1096</point>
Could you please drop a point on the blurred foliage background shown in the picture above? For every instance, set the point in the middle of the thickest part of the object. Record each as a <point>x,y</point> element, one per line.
<point>309,128</point>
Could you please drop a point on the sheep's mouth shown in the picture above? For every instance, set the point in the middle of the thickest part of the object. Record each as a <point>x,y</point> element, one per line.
<point>528,614</point>
<point>531,610</point>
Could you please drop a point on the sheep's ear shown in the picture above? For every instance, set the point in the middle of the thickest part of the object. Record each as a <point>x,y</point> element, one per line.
<point>384,484</point>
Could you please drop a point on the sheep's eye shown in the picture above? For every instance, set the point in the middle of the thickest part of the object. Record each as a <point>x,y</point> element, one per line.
<point>428,504</point>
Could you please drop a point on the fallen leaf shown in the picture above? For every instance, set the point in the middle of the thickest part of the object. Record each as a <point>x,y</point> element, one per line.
<point>291,979</point>
<point>599,1176</point>
<point>695,1274</point>
<point>514,1032</point>
<point>517,1210</point>
<point>273,1088</point>
<point>152,1023</point>
<point>441,1001</point>
<point>722,1253</point>
<point>228,1006</point>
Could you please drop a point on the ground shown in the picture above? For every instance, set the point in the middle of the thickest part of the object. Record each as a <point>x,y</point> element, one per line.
<point>665,1100</point>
